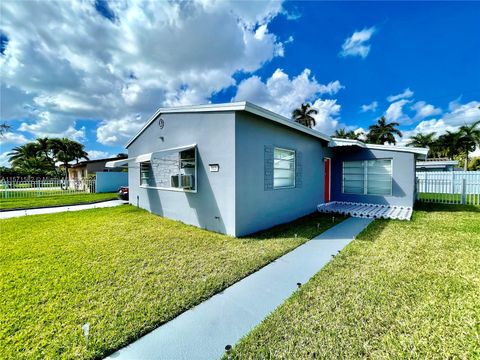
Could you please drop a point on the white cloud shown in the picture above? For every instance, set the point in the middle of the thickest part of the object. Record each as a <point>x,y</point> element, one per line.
<point>407,93</point>
<point>328,115</point>
<point>4,159</point>
<point>281,94</point>
<point>357,44</point>
<point>369,107</point>
<point>395,111</point>
<point>12,138</point>
<point>65,61</point>
<point>50,125</point>
<point>331,88</point>
<point>459,114</point>
<point>424,110</point>
<point>118,131</point>
<point>98,154</point>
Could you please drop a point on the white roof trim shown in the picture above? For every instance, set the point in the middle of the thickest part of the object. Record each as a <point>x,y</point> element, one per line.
<point>234,106</point>
<point>335,142</point>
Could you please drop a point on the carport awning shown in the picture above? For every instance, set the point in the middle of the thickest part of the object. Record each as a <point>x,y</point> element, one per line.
<point>149,156</point>
<point>118,163</point>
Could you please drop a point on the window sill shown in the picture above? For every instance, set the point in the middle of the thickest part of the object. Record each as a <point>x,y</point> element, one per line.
<point>387,195</point>
<point>283,187</point>
<point>167,189</point>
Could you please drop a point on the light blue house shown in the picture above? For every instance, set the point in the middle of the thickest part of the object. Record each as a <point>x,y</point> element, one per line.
<point>237,168</point>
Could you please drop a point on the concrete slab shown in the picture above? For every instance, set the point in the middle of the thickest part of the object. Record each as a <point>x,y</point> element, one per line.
<point>52,210</point>
<point>203,331</point>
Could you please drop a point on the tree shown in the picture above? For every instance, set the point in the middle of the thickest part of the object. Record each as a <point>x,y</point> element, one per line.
<point>4,127</point>
<point>422,140</point>
<point>44,147</point>
<point>343,134</point>
<point>474,164</point>
<point>448,145</point>
<point>383,132</point>
<point>303,115</point>
<point>66,150</point>
<point>19,154</point>
<point>469,138</point>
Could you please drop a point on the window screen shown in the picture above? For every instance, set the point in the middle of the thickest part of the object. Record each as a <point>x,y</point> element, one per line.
<point>369,177</point>
<point>144,173</point>
<point>283,168</point>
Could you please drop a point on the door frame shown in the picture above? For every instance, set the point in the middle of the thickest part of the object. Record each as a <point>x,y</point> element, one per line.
<point>329,178</point>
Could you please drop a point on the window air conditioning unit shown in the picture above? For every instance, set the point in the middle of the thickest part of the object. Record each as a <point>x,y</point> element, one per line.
<point>187,181</point>
<point>175,181</point>
<point>182,181</point>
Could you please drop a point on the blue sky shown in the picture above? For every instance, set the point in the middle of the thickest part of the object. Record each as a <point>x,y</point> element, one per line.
<point>95,71</point>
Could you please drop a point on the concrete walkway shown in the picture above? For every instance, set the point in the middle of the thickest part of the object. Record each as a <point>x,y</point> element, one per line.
<point>51,210</point>
<point>203,331</point>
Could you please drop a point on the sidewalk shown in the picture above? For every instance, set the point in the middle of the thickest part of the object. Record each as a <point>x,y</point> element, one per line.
<point>51,210</point>
<point>203,331</point>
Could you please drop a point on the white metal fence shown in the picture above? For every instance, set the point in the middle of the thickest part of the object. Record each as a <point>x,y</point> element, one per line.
<point>455,187</point>
<point>36,188</point>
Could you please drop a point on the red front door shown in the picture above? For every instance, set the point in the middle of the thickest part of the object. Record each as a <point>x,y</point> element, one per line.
<point>327,180</point>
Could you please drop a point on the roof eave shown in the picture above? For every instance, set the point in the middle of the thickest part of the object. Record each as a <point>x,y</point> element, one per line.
<point>419,152</point>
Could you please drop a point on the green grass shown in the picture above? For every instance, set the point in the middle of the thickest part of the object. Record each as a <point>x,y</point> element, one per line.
<point>52,200</point>
<point>400,290</point>
<point>470,199</point>
<point>123,270</point>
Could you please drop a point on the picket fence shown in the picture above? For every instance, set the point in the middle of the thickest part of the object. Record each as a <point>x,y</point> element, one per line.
<point>454,187</point>
<point>13,188</point>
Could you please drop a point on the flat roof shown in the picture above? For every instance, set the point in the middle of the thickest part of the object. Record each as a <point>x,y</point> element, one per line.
<point>437,163</point>
<point>337,142</point>
<point>234,106</point>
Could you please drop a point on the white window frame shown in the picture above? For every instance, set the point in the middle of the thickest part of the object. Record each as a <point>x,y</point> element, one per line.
<point>294,168</point>
<point>178,189</point>
<point>142,164</point>
<point>365,178</point>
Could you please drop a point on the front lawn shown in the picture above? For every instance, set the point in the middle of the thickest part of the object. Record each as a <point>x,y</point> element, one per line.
<point>400,290</point>
<point>470,199</point>
<point>123,270</point>
<point>53,200</point>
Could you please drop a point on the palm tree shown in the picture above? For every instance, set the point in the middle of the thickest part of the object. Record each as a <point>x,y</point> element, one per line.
<point>469,139</point>
<point>422,140</point>
<point>66,150</point>
<point>21,153</point>
<point>448,144</point>
<point>303,115</point>
<point>44,148</point>
<point>343,134</point>
<point>383,132</point>
<point>4,127</point>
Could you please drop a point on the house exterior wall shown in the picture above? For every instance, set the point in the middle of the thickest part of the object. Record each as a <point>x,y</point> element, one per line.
<point>259,206</point>
<point>212,206</point>
<point>403,172</point>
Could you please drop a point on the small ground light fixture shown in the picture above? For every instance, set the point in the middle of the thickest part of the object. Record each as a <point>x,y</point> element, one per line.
<point>295,236</point>
<point>86,331</point>
<point>228,351</point>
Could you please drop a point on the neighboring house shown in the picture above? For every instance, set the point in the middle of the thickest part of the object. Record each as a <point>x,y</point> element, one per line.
<point>437,165</point>
<point>84,168</point>
<point>238,168</point>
